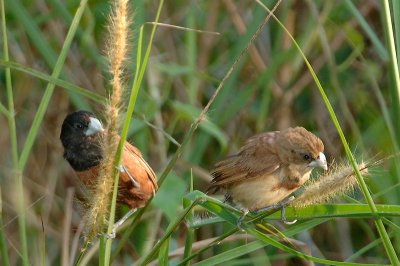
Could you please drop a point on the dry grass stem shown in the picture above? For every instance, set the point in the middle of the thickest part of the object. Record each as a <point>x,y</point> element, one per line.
<point>340,180</point>
<point>117,46</point>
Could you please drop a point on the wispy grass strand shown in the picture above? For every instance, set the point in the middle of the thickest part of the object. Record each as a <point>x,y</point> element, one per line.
<point>379,225</point>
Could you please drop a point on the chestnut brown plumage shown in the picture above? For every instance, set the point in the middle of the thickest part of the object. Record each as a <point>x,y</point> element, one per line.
<point>269,167</point>
<point>81,135</point>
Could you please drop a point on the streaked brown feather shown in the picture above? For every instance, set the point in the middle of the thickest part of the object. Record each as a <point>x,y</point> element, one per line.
<point>257,156</point>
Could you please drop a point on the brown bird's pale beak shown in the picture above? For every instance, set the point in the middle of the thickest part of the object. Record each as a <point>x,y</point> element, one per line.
<point>94,126</point>
<point>319,162</point>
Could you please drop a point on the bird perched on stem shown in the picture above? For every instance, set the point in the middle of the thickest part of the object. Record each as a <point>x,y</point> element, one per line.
<point>81,136</point>
<point>268,168</point>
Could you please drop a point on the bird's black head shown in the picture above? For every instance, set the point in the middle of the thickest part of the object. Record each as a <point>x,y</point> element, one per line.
<point>80,135</point>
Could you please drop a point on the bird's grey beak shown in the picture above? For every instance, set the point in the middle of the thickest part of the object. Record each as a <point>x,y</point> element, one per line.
<point>94,127</point>
<point>319,162</point>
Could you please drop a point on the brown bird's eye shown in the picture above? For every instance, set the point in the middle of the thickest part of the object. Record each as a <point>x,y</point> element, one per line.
<point>306,157</point>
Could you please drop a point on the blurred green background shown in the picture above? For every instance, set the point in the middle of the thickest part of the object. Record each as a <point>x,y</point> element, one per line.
<point>271,89</point>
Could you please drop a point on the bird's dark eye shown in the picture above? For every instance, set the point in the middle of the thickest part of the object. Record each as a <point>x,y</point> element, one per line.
<point>79,125</point>
<point>306,157</point>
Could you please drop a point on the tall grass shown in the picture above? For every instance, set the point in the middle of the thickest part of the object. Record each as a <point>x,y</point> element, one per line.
<point>332,68</point>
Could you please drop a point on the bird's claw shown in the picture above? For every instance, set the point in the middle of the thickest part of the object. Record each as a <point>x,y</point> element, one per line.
<point>281,205</point>
<point>241,218</point>
<point>111,235</point>
<point>119,223</point>
<point>283,217</point>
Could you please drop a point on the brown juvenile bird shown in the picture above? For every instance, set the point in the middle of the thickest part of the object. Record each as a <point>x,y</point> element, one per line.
<point>268,168</point>
<point>81,134</point>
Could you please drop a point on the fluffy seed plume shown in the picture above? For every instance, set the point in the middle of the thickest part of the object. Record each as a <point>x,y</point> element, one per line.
<point>117,46</point>
<point>339,181</point>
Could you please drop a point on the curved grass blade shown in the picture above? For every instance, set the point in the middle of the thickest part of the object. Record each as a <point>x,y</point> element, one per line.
<point>364,188</point>
<point>55,81</point>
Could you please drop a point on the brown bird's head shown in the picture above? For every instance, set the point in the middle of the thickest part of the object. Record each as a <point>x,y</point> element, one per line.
<point>299,146</point>
<point>80,135</point>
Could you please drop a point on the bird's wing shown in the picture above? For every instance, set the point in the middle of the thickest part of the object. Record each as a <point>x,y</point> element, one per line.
<point>134,163</point>
<point>258,156</point>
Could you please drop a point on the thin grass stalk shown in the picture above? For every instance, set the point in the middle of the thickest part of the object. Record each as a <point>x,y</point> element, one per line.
<point>132,100</point>
<point>233,253</point>
<point>204,112</point>
<point>379,47</point>
<point>14,147</point>
<point>171,228</point>
<point>3,246</point>
<point>38,39</point>
<point>396,20</point>
<point>186,261</point>
<point>392,49</point>
<point>378,222</point>
<point>385,112</point>
<point>273,242</point>
<point>61,83</point>
<point>10,97</point>
<point>30,26</point>
<point>189,220</point>
<point>102,251</point>
<point>163,254</point>
<point>81,253</point>
<point>196,123</point>
<point>20,164</point>
<point>367,248</point>
<point>394,67</point>
<point>107,182</point>
<point>33,131</point>
<point>198,120</point>
<point>128,232</point>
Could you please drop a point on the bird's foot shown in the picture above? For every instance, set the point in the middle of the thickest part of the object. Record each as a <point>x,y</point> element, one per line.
<point>122,169</point>
<point>119,223</point>
<point>281,205</point>
<point>241,218</point>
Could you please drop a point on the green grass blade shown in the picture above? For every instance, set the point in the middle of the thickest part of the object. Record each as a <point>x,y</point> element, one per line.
<point>191,56</point>
<point>392,50</point>
<point>3,247</point>
<point>55,81</point>
<point>379,225</point>
<point>14,145</point>
<point>20,13</point>
<point>171,228</point>
<point>62,11</point>
<point>231,254</point>
<point>215,242</point>
<point>35,128</point>
<point>231,215</point>
<point>33,131</point>
<point>131,105</point>
<point>189,219</point>
<point>265,238</point>
<point>10,98</point>
<point>380,49</point>
<point>366,248</point>
<point>38,39</point>
<point>163,254</point>
<point>396,21</point>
